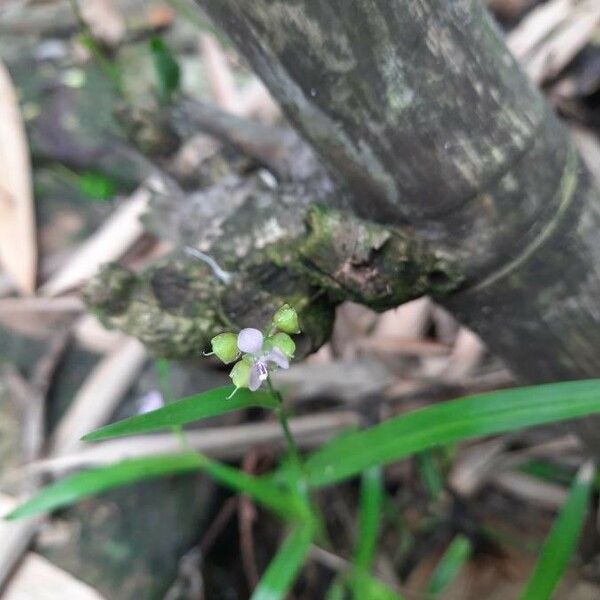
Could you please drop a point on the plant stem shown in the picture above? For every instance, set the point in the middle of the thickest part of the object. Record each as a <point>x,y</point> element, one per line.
<point>283,420</point>
<point>163,369</point>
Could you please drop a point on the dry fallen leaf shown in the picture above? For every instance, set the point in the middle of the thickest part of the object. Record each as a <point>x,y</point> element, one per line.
<point>105,20</point>
<point>99,394</point>
<point>18,252</point>
<point>548,39</point>
<point>117,234</point>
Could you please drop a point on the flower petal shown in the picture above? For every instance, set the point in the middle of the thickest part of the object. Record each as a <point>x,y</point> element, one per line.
<point>250,340</point>
<point>278,357</point>
<point>258,373</point>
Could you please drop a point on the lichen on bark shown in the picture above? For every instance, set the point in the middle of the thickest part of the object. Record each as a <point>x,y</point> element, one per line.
<point>176,305</point>
<point>374,265</point>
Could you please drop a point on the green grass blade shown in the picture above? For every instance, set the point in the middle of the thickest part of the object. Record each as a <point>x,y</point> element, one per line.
<point>547,471</point>
<point>88,483</point>
<point>561,542</point>
<point>371,499</point>
<point>284,568</point>
<point>280,500</point>
<point>96,186</point>
<point>336,590</point>
<point>364,586</point>
<point>430,473</point>
<point>163,370</point>
<point>168,72</point>
<point>448,422</point>
<point>454,558</point>
<point>178,413</point>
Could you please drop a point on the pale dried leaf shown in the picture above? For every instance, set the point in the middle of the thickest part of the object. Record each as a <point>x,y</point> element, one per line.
<point>474,466</point>
<point>18,251</point>
<point>38,579</point>
<point>558,52</point>
<point>109,243</point>
<point>537,26</point>
<point>466,355</point>
<point>218,74</point>
<point>105,20</point>
<point>551,36</point>
<point>39,317</point>
<point>15,535</point>
<point>99,395</point>
<point>91,335</point>
<point>409,321</point>
<point>530,489</point>
<point>257,102</point>
<point>401,346</point>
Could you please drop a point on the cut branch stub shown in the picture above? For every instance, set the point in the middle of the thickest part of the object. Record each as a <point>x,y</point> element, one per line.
<point>374,265</point>
<point>177,305</point>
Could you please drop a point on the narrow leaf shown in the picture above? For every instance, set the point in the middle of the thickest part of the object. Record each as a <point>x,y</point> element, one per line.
<point>371,497</point>
<point>181,412</point>
<point>364,586</point>
<point>454,558</point>
<point>336,590</point>
<point>263,490</point>
<point>87,483</point>
<point>167,70</point>
<point>96,186</point>
<point>448,422</point>
<point>163,370</point>
<point>561,542</point>
<point>430,472</point>
<point>280,575</point>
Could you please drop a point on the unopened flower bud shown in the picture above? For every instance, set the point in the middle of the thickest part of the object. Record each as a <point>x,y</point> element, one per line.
<point>286,319</point>
<point>284,342</point>
<point>240,374</point>
<point>225,347</point>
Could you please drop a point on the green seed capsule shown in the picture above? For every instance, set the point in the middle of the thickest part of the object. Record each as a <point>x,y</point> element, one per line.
<point>225,347</point>
<point>286,319</point>
<point>284,342</point>
<point>240,374</point>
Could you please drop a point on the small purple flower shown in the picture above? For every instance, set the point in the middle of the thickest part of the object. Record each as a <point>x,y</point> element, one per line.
<point>250,340</point>
<point>262,360</point>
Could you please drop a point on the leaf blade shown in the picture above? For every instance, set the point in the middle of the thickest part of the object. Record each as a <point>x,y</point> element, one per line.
<point>166,67</point>
<point>93,481</point>
<point>184,411</point>
<point>284,568</point>
<point>87,483</point>
<point>447,569</point>
<point>364,585</point>
<point>371,499</point>
<point>449,422</point>
<point>561,541</point>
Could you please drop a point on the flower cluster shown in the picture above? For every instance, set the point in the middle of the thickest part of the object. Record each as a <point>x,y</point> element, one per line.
<point>256,354</point>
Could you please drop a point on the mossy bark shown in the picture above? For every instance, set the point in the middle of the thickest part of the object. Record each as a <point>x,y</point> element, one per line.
<point>311,256</point>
